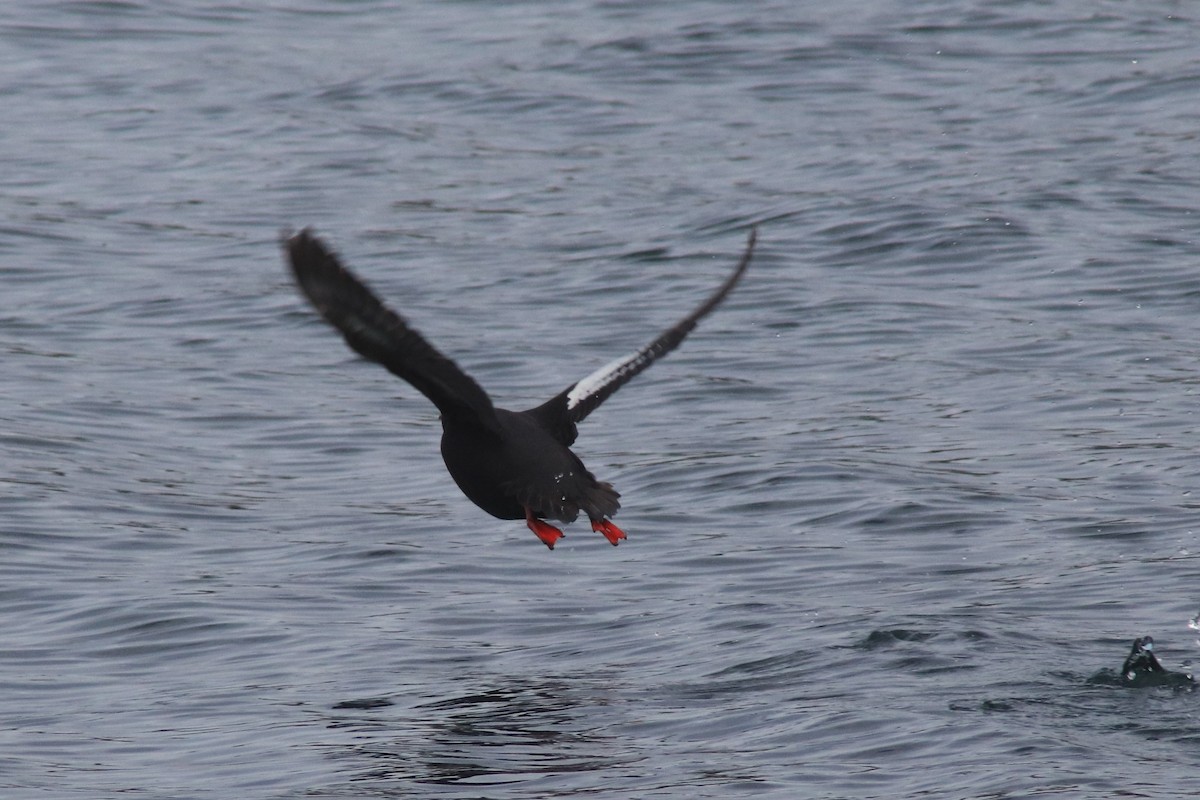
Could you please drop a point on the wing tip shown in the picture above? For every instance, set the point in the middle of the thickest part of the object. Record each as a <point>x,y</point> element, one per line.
<point>296,243</point>
<point>751,241</point>
<point>312,261</point>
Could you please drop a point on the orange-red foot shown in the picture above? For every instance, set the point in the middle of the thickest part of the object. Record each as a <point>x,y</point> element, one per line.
<point>543,530</point>
<point>610,531</point>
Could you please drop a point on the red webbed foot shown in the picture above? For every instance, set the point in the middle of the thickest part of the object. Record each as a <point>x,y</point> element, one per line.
<point>610,531</point>
<point>543,530</point>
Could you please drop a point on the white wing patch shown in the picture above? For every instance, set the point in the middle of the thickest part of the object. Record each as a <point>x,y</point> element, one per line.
<point>602,377</point>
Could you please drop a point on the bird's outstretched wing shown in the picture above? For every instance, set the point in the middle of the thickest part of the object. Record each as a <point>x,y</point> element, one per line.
<point>376,332</point>
<point>561,413</point>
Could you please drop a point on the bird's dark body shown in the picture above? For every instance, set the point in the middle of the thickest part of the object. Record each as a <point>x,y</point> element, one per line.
<point>554,482</point>
<point>512,464</point>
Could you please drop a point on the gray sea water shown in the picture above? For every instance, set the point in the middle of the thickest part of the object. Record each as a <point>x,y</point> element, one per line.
<point>895,512</point>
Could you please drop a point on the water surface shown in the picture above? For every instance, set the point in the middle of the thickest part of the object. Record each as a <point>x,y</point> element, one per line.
<point>891,510</point>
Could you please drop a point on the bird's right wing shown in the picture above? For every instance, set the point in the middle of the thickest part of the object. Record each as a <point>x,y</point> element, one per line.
<point>377,333</point>
<point>561,413</point>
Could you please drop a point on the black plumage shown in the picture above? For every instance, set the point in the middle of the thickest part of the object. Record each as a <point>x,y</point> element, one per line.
<point>512,464</point>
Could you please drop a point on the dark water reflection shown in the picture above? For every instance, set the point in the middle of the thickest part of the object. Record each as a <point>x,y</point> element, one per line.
<point>500,736</point>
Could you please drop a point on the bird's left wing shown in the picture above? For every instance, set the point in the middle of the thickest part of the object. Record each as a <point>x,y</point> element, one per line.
<point>377,333</point>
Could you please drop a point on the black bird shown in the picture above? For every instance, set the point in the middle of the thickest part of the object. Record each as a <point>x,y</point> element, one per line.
<point>512,464</point>
<point>1143,669</point>
<point>1141,659</point>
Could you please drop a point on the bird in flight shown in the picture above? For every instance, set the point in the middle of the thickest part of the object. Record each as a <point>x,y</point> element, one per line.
<point>512,464</point>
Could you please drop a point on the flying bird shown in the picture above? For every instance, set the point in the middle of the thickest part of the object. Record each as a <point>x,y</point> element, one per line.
<point>512,464</point>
